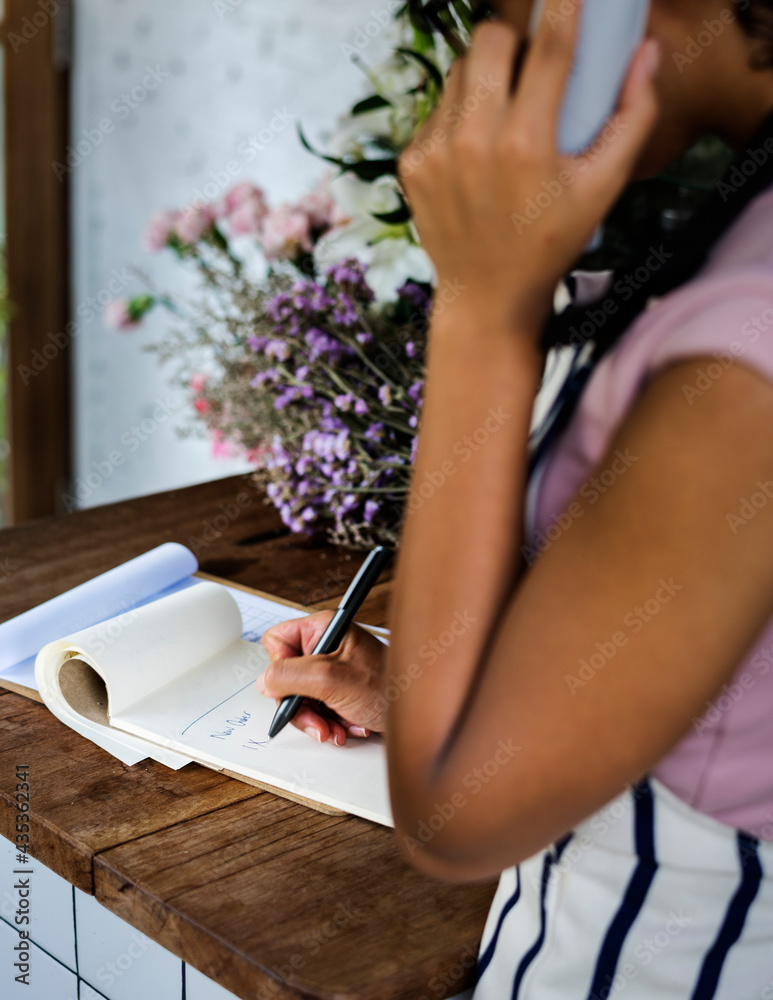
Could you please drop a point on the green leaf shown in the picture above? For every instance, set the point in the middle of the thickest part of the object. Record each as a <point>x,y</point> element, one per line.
<point>370,170</point>
<point>366,170</point>
<point>397,218</point>
<point>371,104</point>
<point>432,70</point>
<point>417,17</point>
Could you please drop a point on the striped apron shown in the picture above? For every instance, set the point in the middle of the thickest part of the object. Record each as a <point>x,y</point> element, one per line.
<point>648,899</point>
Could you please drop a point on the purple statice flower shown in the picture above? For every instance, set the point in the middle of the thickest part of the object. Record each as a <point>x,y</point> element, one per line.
<point>319,301</point>
<point>385,395</point>
<point>344,311</point>
<point>411,349</point>
<point>348,503</point>
<point>349,275</point>
<point>344,401</point>
<point>343,445</point>
<point>269,375</point>
<point>257,343</point>
<point>415,390</point>
<point>414,449</point>
<point>372,508</point>
<point>278,349</point>
<point>361,408</point>
<point>302,373</point>
<point>414,294</point>
<point>321,345</point>
<point>279,308</point>
<point>375,432</point>
<point>287,395</point>
<point>331,423</point>
<point>363,338</point>
<point>413,421</point>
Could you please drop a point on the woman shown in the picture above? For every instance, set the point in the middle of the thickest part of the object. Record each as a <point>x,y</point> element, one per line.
<point>584,663</point>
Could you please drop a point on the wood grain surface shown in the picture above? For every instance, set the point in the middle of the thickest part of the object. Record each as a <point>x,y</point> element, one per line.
<point>267,897</point>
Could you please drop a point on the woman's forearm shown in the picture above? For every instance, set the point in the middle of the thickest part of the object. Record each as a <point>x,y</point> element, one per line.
<point>463,531</point>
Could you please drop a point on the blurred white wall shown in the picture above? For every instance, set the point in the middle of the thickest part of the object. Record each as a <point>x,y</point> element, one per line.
<point>221,68</point>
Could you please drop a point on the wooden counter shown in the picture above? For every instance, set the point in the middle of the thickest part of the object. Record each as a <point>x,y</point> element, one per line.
<point>266,897</point>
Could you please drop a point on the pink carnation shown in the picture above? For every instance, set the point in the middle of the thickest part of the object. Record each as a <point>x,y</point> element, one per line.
<point>198,382</point>
<point>247,218</point>
<point>159,230</point>
<point>221,446</point>
<point>193,222</point>
<point>117,315</point>
<point>285,232</point>
<point>239,195</point>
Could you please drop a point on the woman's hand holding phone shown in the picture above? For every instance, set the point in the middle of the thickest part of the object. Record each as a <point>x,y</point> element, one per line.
<point>500,211</point>
<point>348,682</point>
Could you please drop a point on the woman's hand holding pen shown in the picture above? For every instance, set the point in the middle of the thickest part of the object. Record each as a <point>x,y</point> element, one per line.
<point>470,174</point>
<point>349,682</point>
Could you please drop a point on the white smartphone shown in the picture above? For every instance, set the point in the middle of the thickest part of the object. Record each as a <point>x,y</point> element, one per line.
<point>610,33</point>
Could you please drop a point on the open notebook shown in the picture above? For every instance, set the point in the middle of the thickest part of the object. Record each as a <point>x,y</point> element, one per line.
<point>172,677</point>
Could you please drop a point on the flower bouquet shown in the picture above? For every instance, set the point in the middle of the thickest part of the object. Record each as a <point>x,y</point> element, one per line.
<point>305,347</point>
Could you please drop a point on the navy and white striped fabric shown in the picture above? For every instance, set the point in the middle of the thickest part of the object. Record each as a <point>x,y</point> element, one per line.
<point>646,900</point>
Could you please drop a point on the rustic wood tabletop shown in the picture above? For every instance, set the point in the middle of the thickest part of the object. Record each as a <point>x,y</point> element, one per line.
<point>263,895</point>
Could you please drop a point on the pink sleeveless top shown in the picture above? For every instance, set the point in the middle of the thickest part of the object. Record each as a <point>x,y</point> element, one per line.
<point>724,766</point>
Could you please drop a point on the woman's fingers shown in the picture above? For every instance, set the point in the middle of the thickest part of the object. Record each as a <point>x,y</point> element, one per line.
<point>311,676</point>
<point>487,72</point>
<point>296,636</point>
<point>321,727</point>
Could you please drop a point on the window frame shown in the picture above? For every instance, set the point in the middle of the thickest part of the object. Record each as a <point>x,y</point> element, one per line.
<point>36,43</point>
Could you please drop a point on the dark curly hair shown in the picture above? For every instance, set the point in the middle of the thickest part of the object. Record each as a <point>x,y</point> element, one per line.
<point>756,18</point>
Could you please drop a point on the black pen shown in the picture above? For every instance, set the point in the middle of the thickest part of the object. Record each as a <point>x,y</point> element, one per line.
<point>331,638</point>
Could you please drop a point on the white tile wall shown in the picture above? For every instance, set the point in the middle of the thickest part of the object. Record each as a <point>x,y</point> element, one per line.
<point>117,959</point>
<point>198,987</point>
<point>112,960</point>
<point>48,979</point>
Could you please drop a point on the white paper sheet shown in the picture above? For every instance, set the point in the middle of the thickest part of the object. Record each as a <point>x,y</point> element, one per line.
<point>120,589</point>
